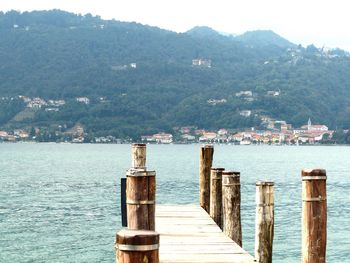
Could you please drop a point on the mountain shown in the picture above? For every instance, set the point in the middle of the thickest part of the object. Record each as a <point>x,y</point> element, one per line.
<point>203,31</point>
<point>261,38</point>
<point>140,79</point>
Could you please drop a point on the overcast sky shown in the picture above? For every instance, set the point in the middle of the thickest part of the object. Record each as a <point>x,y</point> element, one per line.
<point>322,22</point>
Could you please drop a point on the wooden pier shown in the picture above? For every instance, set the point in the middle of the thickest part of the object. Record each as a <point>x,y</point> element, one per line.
<point>189,234</point>
<point>211,231</point>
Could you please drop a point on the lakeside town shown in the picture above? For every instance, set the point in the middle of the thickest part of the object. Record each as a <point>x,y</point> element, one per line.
<point>276,133</point>
<point>279,132</point>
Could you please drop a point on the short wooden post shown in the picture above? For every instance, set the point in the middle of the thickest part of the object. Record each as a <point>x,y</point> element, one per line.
<point>264,221</point>
<point>140,199</point>
<point>314,216</point>
<point>205,163</point>
<point>133,246</point>
<point>231,206</point>
<point>216,195</point>
<point>138,155</point>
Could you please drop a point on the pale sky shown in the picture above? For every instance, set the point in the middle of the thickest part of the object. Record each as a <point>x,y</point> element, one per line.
<point>321,22</point>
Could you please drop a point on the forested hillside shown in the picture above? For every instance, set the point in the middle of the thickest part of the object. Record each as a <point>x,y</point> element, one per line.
<point>142,79</point>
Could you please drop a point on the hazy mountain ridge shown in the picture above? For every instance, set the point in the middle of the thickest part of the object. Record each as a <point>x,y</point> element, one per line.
<point>150,82</point>
<point>264,38</point>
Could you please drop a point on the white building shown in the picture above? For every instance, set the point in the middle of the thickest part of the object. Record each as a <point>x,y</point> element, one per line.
<point>83,100</point>
<point>245,113</point>
<point>245,93</point>
<point>163,137</point>
<point>201,62</point>
<point>222,132</point>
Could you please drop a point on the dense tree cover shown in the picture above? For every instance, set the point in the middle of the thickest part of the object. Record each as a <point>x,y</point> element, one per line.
<point>9,108</point>
<point>58,55</point>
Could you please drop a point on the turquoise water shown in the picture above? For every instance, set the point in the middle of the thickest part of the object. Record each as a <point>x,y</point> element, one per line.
<point>60,202</point>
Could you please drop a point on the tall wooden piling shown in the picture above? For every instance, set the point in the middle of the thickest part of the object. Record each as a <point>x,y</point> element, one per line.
<point>314,216</point>
<point>264,221</point>
<point>140,199</point>
<point>138,156</point>
<point>205,163</point>
<point>216,195</point>
<point>231,206</point>
<point>137,246</point>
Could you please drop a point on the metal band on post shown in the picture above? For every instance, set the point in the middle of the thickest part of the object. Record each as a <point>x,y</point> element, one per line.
<point>137,247</point>
<point>139,172</point>
<point>140,202</point>
<point>141,192</point>
<point>315,199</point>
<point>231,184</point>
<point>309,178</point>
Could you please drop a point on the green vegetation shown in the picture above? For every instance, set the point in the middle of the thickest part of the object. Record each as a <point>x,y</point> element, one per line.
<point>9,108</point>
<point>58,55</point>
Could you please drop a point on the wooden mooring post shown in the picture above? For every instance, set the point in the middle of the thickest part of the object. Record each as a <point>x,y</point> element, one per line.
<point>140,199</point>
<point>205,163</point>
<point>216,195</point>
<point>231,206</point>
<point>140,192</point>
<point>314,216</point>
<point>264,221</point>
<point>137,246</point>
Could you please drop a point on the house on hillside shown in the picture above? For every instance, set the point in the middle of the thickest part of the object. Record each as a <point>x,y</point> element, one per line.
<point>188,137</point>
<point>216,101</point>
<point>83,100</point>
<point>222,132</point>
<point>273,93</point>
<point>208,137</point>
<point>244,93</point>
<point>163,137</point>
<point>198,62</point>
<point>148,139</point>
<point>21,134</point>
<point>36,103</point>
<point>245,113</point>
<point>317,127</point>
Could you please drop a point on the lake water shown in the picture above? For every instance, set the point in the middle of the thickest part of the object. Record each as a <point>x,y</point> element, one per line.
<point>60,202</point>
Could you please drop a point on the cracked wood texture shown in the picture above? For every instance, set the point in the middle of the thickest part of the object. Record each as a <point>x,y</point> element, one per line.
<point>205,163</point>
<point>231,206</point>
<point>216,195</point>
<point>138,156</point>
<point>140,199</point>
<point>264,221</point>
<point>137,246</point>
<point>314,216</point>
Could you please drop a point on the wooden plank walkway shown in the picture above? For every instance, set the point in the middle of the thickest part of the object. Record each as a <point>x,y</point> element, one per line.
<point>188,234</point>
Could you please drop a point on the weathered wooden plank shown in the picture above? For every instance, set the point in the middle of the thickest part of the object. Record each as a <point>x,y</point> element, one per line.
<point>202,257</point>
<point>188,234</point>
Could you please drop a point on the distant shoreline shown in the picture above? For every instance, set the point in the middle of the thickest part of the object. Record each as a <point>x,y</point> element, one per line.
<point>197,143</point>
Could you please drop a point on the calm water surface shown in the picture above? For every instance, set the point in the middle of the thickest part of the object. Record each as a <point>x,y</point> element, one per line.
<point>60,202</point>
